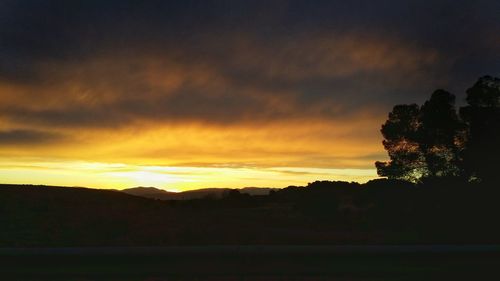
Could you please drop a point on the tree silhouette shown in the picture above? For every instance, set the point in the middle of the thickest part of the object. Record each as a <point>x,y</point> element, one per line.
<point>422,141</point>
<point>482,117</point>
<point>432,141</point>
<point>400,133</point>
<point>439,135</point>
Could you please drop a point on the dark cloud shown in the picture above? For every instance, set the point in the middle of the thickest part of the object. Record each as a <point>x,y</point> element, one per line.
<point>69,117</point>
<point>63,29</point>
<point>28,137</point>
<point>260,60</point>
<point>250,85</point>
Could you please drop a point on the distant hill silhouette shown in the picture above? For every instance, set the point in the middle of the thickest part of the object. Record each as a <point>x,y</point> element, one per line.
<point>156,193</point>
<point>151,192</point>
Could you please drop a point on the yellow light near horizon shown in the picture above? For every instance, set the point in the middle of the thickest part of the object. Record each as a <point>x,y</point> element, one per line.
<point>190,156</point>
<point>138,178</point>
<point>119,175</point>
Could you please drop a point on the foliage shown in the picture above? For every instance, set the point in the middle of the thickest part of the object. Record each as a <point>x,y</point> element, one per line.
<point>401,142</point>
<point>482,116</point>
<point>432,140</point>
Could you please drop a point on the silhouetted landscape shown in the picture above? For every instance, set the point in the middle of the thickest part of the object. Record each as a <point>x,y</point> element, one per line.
<point>378,212</point>
<point>155,193</point>
<point>249,140</point>
<point>441,188</point>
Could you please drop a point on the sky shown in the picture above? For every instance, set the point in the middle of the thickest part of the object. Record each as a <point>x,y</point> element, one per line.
<point>193,94</point>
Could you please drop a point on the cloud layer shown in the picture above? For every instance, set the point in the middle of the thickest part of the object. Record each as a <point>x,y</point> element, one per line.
<point>218,83</point>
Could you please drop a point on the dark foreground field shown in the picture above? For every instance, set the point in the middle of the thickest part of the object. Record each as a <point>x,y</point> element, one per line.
<point>322,213</point>
<point>253,263</point>
<point>57,233</point>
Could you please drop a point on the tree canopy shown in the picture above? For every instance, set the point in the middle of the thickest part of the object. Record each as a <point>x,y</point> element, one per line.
<point>434,140</point>
<point>482,118</point>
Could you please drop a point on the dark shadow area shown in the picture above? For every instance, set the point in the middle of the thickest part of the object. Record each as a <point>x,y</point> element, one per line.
<point>252,263</point>
<point>441,211</point>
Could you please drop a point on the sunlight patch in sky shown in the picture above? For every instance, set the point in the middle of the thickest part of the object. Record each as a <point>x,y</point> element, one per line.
<point>118,176</point>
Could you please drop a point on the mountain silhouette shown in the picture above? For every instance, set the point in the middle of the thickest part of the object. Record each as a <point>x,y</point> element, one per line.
<point>215,193</point>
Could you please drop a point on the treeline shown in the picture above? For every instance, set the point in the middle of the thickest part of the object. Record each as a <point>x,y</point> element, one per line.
<point>435,140</point>
<point>323,212</point>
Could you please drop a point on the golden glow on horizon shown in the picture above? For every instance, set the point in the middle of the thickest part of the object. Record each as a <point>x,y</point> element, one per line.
<point>157,119</point>
<point>190,156</point>
<point>119,176</point>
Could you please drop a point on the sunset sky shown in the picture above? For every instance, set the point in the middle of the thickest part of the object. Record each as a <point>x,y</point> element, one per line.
<point>193,94</point>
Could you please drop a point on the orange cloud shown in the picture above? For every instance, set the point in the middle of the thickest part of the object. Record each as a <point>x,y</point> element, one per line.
<point>261,107</point>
